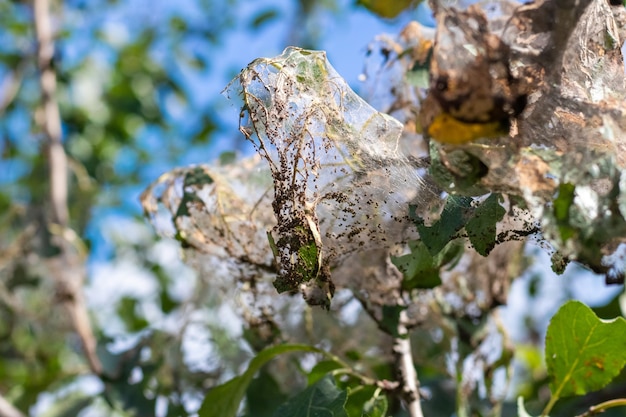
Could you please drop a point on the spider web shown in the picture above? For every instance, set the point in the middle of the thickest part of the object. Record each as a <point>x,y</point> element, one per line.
<point>341,182</point>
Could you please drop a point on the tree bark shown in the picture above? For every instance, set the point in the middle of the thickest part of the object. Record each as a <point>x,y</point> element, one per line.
<point>407,375</point>
<point>67,268</point>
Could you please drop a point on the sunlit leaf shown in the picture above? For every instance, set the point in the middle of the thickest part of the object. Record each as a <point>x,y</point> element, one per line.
<point>583,353</point>
<point>418,77</point>
<point>447,129</point>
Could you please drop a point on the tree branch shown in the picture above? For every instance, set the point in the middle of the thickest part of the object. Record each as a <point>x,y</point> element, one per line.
<point>67,268</point>
<point>407,375</point>
<point>408,383</point>
<point>51,119</point>
<point>8,410</point>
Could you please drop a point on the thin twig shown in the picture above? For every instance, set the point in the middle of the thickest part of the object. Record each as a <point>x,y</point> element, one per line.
<point>602,407</point>
<point>67,268</point>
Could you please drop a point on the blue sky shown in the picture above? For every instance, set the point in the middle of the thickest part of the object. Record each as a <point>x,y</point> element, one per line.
<point>344,35</point>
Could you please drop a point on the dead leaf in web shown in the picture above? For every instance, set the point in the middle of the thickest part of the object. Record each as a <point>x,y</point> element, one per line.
<point>341,183</point>
<point>471,81</point>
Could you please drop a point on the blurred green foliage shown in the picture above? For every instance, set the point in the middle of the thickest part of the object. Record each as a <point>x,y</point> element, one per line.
<point>119,69</point>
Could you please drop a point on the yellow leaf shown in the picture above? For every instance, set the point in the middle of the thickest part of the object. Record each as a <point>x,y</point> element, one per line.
<point>447,129</point>
<point>386,8</point>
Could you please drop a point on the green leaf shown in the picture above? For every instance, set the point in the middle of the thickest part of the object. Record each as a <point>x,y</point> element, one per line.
<point>306,267</point>
<point>421,269</point>
<point>452,219</point>
<point>323,399</point>
<point>611,309</point>
<point>177,24</point>
<point>391,319</point>
<point>228,157</point>
<point>458,171</point>
<point>321,369</point>
<point>376,406</point>
<point>183,207</point>
<point>168,304</point>
<point>307,254</point>
<point>263,395</point>
<point>481,228</point>
<point>366,401</point>
<point>264,17</point>
<point>224,400</point>
<point>127,311</point>
<point>562,204</point>
<point>419,76</point>
<point>197,176</point>
<point>418,267</point>
<point>450,254</point>
<point>272,243</point>
<point>387,8</point>
<point>583,353</point>
<point>175,410</point>
<point>130,397</point>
